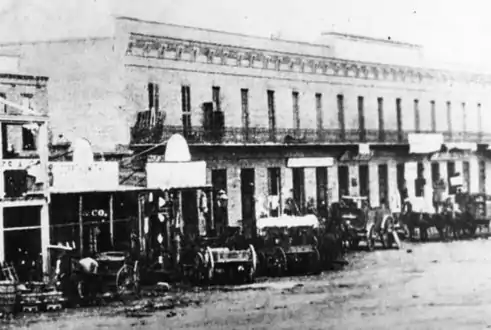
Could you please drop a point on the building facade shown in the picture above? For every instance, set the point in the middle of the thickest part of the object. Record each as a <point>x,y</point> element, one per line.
<point>273,119</point>
<point>24,201</point>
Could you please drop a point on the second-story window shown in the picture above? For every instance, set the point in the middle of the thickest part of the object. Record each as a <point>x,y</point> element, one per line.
<point>216,98</point>
<point>381,126</point>
<point>244,97</point>
<point>318,111</point>
<point>296,111</point>
<point>399,119</point>
<point>3,107</point>
<point>153,97</point>
<point>416,116</point>
<point>449,117</point>
<point>186,108</point>
<point>361,117</point>
<point>433,116</point>
<point>464,118</point>
<point>340,104</point>
<point>26,101</point>
<point>271,114</point>
<point>479,118</point>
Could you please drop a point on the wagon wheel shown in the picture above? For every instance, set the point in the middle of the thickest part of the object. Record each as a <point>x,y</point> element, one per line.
<point>315,262</point>
<point>136,278</point>
<point>354,243</point>
<point>262,264</point>
<point>371,239</point>
<point>210,269</point>
<point>127,280</point>
<point>279,261</point>
<point>253,267</point>
<point>386,235</point>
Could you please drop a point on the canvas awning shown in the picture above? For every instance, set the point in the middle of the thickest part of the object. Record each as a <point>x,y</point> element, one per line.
<point>85,190</point>
<point>422,143</point>
<point>288,221</point>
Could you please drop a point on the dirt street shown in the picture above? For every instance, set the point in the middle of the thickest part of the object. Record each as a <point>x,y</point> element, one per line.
<point>423,286</point>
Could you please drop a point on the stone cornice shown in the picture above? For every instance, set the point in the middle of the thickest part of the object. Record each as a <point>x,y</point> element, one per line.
<point>141,45</point>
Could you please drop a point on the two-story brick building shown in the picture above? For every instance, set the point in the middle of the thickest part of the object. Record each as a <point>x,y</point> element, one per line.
<point>270,117</point>
<point>24,200</point>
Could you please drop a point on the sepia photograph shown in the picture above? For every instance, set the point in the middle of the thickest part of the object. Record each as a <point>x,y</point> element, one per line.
<point>248,165</point>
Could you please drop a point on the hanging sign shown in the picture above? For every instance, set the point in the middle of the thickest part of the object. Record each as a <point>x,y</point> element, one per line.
<point>176,175</point>
<point>74,177</point>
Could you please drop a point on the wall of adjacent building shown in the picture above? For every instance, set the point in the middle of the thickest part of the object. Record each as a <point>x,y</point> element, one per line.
<point>85,88</point>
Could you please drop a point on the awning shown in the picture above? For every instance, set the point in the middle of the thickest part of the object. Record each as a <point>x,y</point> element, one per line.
<point>85,190</point>
<point>462,146</point>
<point>310,162</point>
<point>421,143</point>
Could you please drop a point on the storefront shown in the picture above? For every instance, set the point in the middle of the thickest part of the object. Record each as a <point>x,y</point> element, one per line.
<point>90,211</point>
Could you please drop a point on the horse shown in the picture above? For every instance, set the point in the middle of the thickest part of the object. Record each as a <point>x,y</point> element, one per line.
<point>423,221</point>
<point>460,221</point>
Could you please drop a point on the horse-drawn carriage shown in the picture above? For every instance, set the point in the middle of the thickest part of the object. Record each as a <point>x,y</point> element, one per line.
<point>288,243</point>
<point>359,223</point>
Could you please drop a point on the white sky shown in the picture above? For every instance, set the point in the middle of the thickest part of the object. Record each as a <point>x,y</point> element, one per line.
<point>451,30</point>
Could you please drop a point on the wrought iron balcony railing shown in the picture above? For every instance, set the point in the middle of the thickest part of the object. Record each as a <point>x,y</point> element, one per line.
<point>146,134</point>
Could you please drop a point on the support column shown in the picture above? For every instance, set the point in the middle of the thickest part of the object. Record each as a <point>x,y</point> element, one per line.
<point>81,225</point>
<point>394,196</point>
<point>286,185</point>
<point>208,175</point>
<point>444,174</point>
<point>353,174</point>
<point>45,238</point>
<point>373,184</point>
<point>488,177</point>
<point>261,191</point>
<point>429,183</point>
<point>111,219</point>
<point>234,205</point>
<point>410,174</point>
<point>474,175</point>
<point>332,183</point>
<point>310,184</point>
<point>2,237</point>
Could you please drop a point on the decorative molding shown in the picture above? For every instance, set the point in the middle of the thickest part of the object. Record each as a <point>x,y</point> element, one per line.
<point>182,50</point>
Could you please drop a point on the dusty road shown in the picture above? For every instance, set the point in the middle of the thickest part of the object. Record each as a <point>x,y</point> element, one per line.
<point>423,286</point>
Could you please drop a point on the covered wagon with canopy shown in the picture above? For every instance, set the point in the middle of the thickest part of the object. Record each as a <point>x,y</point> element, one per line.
<point>183,233</point>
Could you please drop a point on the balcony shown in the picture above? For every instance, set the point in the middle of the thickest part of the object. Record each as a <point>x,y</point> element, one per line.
<point>146,134</point>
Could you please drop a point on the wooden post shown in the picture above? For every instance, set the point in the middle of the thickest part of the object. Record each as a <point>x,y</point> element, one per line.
<point>81,225</point>
<point>111,218</point>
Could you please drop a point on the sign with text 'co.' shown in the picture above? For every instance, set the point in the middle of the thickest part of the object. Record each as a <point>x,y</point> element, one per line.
<point>71,176</point>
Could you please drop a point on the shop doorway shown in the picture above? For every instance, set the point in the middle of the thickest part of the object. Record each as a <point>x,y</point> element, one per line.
<point>343,180</point>
<point>247,186</point>
<point>364,176</point>
<point>22,235</point>
<point>321,179</point>
<point>298,175</point>
<point>220,210</point>
<point>451,173</point>
<point>466,175</point>
<point>383,180</point>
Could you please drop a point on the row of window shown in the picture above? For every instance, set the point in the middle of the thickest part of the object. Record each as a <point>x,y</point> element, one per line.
<point>26,100</point>
<point>153,103</point>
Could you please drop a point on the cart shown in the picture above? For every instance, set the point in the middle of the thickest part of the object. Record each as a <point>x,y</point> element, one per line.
<point>221,260</point>
<point>288,244</point>
<point>480,208</point>
<point>359,224</point>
